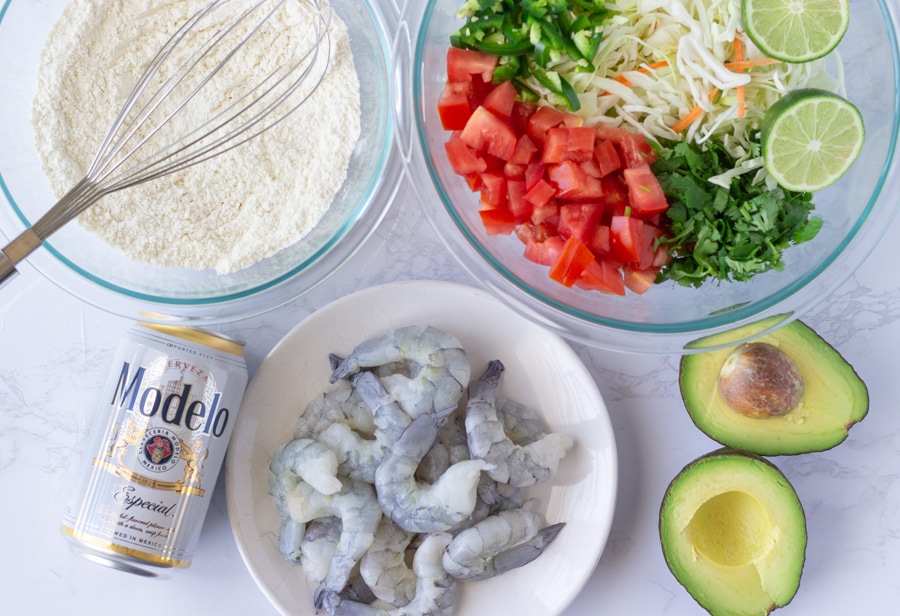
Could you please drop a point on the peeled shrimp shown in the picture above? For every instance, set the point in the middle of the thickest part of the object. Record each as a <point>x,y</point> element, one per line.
<point>296,460</point>
<point>319,545</point>
<point>359,456</point>
<point>498,544</point>
<point>435,590</point>
<point>384,566</point>
<point>518,465</point>
<point>340,405</point>
<point>309,460</point>
<point>359,512</point>
<point>438,367</point>
<point>418,507</point>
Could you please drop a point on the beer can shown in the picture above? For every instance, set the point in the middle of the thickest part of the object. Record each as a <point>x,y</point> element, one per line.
<point>169,406</point>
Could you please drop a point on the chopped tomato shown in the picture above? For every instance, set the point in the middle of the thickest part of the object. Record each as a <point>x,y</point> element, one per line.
<point>453,106</point>
<point>493,189</point>
<point>520,114</point>
<point>626,236</point>
<point>501,100</point>
<point>534,172</point>
<point>581,142</point>
<point>591,167</point>
<point>485,131</point>
<point>636,150</point>
<point>511,170</point>
<point>614,134</point>
<point>540,193</point>
<point>607,157</point>
<point>462,159</point>
<point>545,118</point>
<point>556,145</point>
<point>579,220</point>
<point>573,183</point>
<point>524,152</point>
<point>602,276</point>
<point>615,196</point>
<point>530,232</point>
<point>520,208</point>
<point>544,252</point>
<point>600,242</point>
<point>498,221</point>
<point>638,280</point>
<point>644,192</point>
<point>547,215</point>
<point>582,200</point>
<point>652,256</point>
<point>463,63</point>
<point>572,261</point>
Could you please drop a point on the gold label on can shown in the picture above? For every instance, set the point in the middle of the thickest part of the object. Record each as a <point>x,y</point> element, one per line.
<point>156,454</point>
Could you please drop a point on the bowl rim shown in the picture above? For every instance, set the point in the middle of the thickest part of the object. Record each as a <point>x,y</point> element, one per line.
<point>617,334</point>
<point>358,225</point>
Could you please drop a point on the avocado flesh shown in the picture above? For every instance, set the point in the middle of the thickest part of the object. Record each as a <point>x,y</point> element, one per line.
<point>834,396</point>
<point>733,533</point>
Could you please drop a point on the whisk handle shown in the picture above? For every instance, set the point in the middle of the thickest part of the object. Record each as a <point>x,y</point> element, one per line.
<point>14,252</point>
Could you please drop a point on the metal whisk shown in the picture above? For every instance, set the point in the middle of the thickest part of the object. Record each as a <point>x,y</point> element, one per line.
<point>174,90</point>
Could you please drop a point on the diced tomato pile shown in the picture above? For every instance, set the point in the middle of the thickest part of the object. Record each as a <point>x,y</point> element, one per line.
<point>583,200</point>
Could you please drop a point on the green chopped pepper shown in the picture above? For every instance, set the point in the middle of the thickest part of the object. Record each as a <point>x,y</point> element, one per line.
<point>529,35</point>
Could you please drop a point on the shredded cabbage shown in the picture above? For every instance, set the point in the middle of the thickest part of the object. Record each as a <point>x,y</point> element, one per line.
<point>661,58</point>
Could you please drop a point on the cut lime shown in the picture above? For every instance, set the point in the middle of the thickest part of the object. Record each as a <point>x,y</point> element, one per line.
<point>810,138</point>
<point>796,30</point>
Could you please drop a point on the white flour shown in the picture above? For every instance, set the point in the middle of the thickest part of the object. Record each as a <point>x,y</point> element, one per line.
<point>226,213</point>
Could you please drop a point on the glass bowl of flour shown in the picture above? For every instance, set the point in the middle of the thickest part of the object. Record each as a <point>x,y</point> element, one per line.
<point>231,237</point>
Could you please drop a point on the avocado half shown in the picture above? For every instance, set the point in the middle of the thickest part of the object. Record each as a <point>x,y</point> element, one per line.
<point>733,533</point>
<point>833,396</point>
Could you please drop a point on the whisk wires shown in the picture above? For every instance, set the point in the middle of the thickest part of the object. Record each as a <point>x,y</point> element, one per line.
<point>195,101</point>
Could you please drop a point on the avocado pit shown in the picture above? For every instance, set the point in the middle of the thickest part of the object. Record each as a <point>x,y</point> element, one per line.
<point>760,381</point>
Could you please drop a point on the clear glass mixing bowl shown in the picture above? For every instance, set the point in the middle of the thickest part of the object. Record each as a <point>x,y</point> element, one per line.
<point>856,210</point>
<point>88,268</point>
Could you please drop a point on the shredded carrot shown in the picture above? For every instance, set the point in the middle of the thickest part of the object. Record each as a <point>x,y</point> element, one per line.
<point>739,57</point>
<point>693,114</point>
<point>745,64</point>
<point>644,69</point>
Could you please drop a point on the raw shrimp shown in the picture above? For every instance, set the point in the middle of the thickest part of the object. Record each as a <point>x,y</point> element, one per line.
<point>521,423</point>
<point>309,460</point>
<point>384,566</point>
<point>359,512</point>
<point>498,544</point>
<point>435,590</point>
<point>438,366</point>
<point>358,456</point>
<point>425,508</point>
<point>342,404</point>
<point>298,459</point>
<point>319,545</point>
<point>518,465</point>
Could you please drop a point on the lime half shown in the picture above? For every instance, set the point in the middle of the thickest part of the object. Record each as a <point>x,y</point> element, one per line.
<point>810,138</point>
<point>796,30</point>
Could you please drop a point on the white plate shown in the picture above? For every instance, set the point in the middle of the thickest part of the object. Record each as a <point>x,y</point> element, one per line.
<point>541,370</point>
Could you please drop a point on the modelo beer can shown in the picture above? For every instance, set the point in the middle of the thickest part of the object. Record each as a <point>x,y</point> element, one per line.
<point>170,403</point>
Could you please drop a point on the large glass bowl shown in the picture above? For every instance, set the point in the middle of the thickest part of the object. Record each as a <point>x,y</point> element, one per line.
<point>665,319</point>
<point>87,267</point>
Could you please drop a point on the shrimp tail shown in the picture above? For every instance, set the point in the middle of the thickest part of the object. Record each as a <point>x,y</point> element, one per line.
<point>522,554</point>
<point>290,538</point>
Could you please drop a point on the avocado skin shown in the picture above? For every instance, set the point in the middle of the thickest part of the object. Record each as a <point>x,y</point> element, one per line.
<point>672,494</point>
<point>835,399</point>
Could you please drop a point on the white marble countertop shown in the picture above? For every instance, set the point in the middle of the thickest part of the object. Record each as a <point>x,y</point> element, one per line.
<point>55,351</point>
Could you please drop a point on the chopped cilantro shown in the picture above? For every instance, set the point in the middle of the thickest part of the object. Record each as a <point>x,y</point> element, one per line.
<point>725,233</point>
